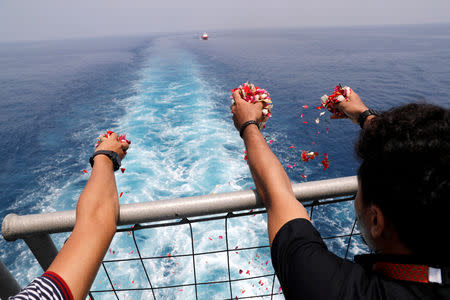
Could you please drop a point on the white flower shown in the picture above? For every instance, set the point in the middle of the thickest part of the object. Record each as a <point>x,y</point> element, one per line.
<point>324,99</point>
<point>265,111</point>
<point>348,90</point>
<point>340,98</point>
<point>263,96</point>
<point>322,113</point>
<point>317,121</point>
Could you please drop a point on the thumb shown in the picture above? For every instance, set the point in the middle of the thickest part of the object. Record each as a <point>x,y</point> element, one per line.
<point>114,136</point>
<point>237,96</point>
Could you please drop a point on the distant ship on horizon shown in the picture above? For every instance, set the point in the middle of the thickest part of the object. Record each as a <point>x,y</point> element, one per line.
<point>204,36</point>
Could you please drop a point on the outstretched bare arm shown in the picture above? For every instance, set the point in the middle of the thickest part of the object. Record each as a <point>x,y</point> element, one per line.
<point>272,182</point>
<point>79,259</point>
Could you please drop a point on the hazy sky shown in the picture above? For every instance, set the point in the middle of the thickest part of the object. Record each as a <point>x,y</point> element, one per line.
<point>47,19</point>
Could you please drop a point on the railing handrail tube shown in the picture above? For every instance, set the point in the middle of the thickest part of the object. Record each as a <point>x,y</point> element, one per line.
<point>15,226</point>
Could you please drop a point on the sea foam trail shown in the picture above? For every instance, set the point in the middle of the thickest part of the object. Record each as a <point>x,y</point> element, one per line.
<point>183,145</point>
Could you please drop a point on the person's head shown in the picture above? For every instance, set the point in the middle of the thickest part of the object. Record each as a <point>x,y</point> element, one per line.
<point>404,188</point>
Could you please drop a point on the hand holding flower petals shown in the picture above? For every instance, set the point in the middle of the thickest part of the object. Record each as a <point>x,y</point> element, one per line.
<point>339,95</point>
<point>110,141</point>
<point>254,94</point>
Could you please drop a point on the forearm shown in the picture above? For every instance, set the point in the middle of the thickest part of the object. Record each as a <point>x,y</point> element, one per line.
<point>268,174</point>
<point>80,257</point>
<point>272,183</point>
<point>98,203</point>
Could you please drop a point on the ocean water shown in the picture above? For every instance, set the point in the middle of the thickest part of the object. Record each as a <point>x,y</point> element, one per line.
<point>170,94</point>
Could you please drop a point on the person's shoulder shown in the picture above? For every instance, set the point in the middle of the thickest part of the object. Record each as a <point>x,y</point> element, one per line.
<point>300,229</point>
<point>48,286</point>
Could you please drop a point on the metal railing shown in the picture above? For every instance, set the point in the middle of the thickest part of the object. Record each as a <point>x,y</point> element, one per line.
<point>35,230</point>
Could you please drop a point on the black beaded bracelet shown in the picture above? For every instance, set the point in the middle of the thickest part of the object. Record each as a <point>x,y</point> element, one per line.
<point>241,131</point>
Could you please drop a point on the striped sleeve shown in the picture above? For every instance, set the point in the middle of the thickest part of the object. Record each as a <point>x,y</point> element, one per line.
<point>49,286</point>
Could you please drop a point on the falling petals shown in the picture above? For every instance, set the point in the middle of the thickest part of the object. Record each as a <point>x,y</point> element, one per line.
<point>325,161</point>
<point>122,170</point>
<point>84,171</point>
<point>121,193</point>
<point>305,106</point>
<point>306,156</point>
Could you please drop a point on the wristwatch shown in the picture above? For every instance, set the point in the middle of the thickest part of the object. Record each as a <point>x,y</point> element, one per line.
<point>363,116</point>
<point>113,156</point>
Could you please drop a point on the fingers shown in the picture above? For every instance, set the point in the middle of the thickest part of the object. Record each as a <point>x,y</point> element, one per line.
<point>237,96</point>
<point>113,136</point>
<point>111,142</point>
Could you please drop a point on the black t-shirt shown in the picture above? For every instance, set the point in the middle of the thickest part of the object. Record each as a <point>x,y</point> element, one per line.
<point>307,270</point>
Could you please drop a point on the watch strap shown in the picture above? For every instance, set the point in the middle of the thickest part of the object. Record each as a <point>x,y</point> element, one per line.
<point>113,156</point>
<point>363,116</point>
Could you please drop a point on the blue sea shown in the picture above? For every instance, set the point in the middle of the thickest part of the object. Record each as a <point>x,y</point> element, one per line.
<point>170,94</point>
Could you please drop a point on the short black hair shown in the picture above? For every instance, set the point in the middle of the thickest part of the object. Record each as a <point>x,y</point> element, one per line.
<point>405,169</point>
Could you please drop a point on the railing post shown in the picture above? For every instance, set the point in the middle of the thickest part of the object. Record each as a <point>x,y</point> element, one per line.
<point>8,284</point>
<point>43,249</point>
